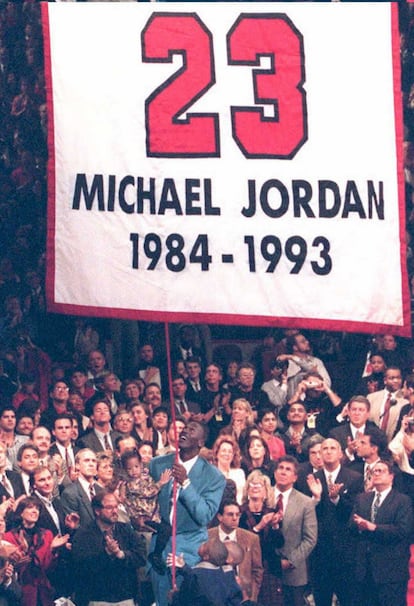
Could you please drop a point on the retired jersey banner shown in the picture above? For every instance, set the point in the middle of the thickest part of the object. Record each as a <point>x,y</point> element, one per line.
<point>227,163</point>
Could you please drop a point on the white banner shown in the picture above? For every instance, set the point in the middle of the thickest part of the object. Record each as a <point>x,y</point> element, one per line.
<point>229,163</point>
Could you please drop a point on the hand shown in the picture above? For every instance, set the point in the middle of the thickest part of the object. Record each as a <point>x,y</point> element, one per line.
<point>59,540</point>
<point>315,486</point>
<point>286,565</point>
<point>334,491</point>
<point>179,560</point>
<point>345,411</point>
<point>266,519</point>
<point>276,519</point>
<point>8,571</point>
<point>6,505</point>
<point>363,524</point>
<point>179,473</point>
<point>72,520</point>
<point>112,546</point>
<point>165,477</point>
<point>351,445</point>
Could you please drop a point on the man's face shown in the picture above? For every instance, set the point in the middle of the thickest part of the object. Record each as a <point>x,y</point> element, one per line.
<point>191,437</point>
<point>109,512</point>
<point>29,460</point>
<point>25,426</point>
<point>153,396</point>
<point>42,439</point>
<point>246,377</point>
<point>132,391</point>
<point>101,414</point>
<point>124,422</point>
<point>127,444</point>
<point>297,414</point>
<point>111,383</point>
<point>43,482</point>
<point>179,426</point>
<point>8,420</point>
<point>213,375</point>
<point>63,431</point>
<point>193,369</point>
<point>179,388</point>
<point>60,392</point>
<point>381,477</point>
<point>331,452</point>
<point>364,448</point>
<point>96,362</point>
<point>285,475</point>
<point>392,380</point>
<point>358,413</point>
<point>302,344</point>
<point>229,519</point>
<point>160,421</point>
<point>147,354</point>
<point>87,464</point>
<point>79,379</point>
<point>315,456</point>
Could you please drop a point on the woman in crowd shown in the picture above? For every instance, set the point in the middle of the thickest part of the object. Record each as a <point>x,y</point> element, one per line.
<point>142,430</point>
<point>259,516</point>
<point>226,457</point>
<point>257,456</point>
<point>104,470</point>
<point>241,419</point>
<point>268,423</point>
<point>35,554</point>
<point>131,391</point>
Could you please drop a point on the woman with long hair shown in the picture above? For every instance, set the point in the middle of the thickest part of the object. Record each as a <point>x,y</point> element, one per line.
<point>257,456</point>
<point>227,458</point>
<point>241,419</point>
<point>35,555</point>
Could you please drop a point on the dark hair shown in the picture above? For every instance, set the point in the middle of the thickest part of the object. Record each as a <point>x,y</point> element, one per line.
<point>25,503</point>
<point>128,455</point>
<point>288,459</point>
<point>63,415</point>
<point>26,446</point>
<point>226,503</point>
<point>266,459</point>
<point>377,438</point>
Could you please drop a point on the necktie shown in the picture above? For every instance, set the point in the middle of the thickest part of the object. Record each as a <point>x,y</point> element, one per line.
<point>227,538</point>
<point>182,407</point>
<point>106,442</point>
<point>386,415</point>
<point>91,491</point>
<point>375,506</point>
<point>67,458</point>
<point>279,504</point>
<point>330,482</point>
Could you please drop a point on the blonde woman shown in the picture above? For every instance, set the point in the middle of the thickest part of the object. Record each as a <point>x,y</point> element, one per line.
<point>226,457</point>
<point>242,418</point>
<point>259,516</point>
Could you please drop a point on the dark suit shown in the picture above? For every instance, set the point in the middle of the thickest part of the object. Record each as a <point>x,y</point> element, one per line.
<point>91,440</point>
<point>382,555</point>
<point>301,483</point>
<point>332,558</point>
<point>196,507</point>
<point>16,483</point>
<point>75,499</point>
<point>343,432</point>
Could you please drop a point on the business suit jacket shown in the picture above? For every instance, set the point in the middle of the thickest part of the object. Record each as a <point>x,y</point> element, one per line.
<point>387,548</point>
<point>376,400</point>
<point>46,520</point>
<point>75,499</point>
<point>300,531</point>
<point>334,544</point>
<point>15,480</point>
<point>196,505</point>
<point>91,440</point>
<point>251,568</point>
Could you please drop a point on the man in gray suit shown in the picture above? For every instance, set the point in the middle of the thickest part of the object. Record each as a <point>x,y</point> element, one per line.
<point>299,528</point>
<point>77,497</point>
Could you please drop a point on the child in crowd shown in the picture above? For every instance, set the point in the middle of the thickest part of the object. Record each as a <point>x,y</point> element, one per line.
<point>139,495</point>
<point>211,581</point>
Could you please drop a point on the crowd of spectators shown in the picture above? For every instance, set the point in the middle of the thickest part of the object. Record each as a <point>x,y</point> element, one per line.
<point>58,382</point>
